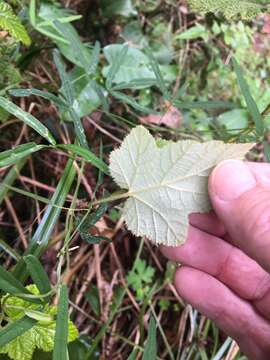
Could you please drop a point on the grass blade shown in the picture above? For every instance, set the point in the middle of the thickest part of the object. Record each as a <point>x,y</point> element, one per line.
<point>41,238</point>
<point>28,119</point>
<point>150,352</point>
<point>44,94</point>
<point>38,275</point>
<point>86,155</point>
<point>251,104</point>
<point>68,90</point>
<point>10,178</point>
<point>133,355</point>
<point>11,285</point>
<point>60,351</point>
<point>115,67</point>
<point>79,130</point>
<point>130,101</point>
<point>160,80</point>
<point>204,105</point>
<point>95,59</point>
<point>10,157</point>
<point>15,329</point>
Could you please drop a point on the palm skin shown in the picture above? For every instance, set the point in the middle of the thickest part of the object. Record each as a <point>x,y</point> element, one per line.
<point>225,270</point>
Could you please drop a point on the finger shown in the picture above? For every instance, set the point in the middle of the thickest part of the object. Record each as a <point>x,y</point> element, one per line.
<point>207,222</point>
<point>241,200</point>
<point>224,261</point>
<point>233,315</point>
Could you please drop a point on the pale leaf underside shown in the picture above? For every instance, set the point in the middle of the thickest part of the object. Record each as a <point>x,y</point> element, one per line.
<point>166,184</point>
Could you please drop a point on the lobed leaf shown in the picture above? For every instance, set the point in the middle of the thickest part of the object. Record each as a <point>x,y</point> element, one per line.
<point>166,184</point>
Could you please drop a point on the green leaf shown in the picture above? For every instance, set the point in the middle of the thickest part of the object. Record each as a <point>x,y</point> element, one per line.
<point>195,32</point>
<point>44,94</point>
<point>160,80</point>
<point>9,179</point>
<point>234,120</point>
<point>11,23</point>
<point>28,119</point>
<point>118,7</point>
<point>92,296</point>
<point>126,64</point>
<point>133,355</point>
<point>68,90</point>
<point>41,335</point>
<point>251,104</point>
<point>150,352</point>
<point>166,184</point>
<point>15,329</point>
<point>203,105</point>
<point>60,350</point>
<point>11,157</point>
<point>43,232</point>
<point>38,275</point>
<point>86,155</point>
<point>130,101</point>
<point>10,284</point>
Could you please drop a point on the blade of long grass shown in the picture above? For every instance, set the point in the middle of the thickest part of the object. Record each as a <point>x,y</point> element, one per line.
<point>86,155</point>
<point>130,101</point>
<point>9,250</point>
<point>9,179</point>
<point>79,130</point>
<point>38,275</point>
<point>94,59</point>
<point>27,118</point>
<point>204,105</point>
<point>44,94</point>
<point>133,355</point>
<point>160,80</point>
<point>15,329</point>
<point>68,90</point>
<point>11,157</point>
<point>41,238</point>
<point>115,67</point>
<point>135,84</point>
<point>9,284</point>
<point>150,352</point>
<point>60,351</point>
<point>223,349</point>
<point>251,104</point>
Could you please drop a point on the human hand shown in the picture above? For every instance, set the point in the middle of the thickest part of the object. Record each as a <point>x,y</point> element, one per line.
<point>226,259</point>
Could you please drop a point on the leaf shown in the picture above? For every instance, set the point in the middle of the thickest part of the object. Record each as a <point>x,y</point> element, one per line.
<point>118,7</point>
<point>60,351</point>
<point>29,119</point>
<point>135,64</point>
<point>15,329</point>
<point>150,352</point>
<point>234,120</point>
<point>86,155</point>
<point>11,23</point>
<point>10,157</point>
<point>230,8</point>
<point>40,335</point>
<point>38,274</point>
<point>44,230</point>
<point>166,184</point>
<point>251,104</point>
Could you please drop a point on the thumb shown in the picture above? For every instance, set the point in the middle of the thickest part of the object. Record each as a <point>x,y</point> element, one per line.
<point>240,194</point>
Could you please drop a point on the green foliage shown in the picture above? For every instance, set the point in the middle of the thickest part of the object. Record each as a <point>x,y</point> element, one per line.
<point>140,277</point>
<point>230,8</point>
<point>41,335</point>
<point>11,23</point>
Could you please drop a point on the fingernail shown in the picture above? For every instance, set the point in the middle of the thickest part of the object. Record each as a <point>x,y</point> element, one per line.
<point>230,179</point>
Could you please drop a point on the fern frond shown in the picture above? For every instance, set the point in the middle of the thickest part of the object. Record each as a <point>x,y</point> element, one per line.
<point>11,23</point>
<point>230,8</point>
